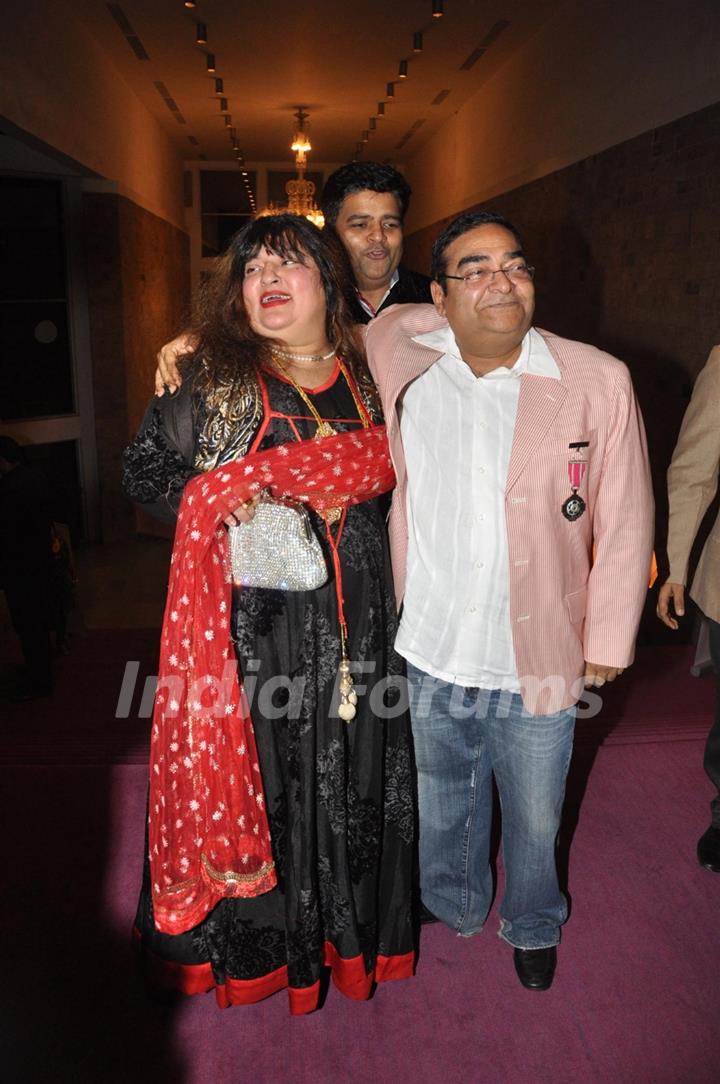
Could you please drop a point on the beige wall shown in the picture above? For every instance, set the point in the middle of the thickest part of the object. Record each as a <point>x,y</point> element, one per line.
<point>594,75</point>
<point>61,87</point>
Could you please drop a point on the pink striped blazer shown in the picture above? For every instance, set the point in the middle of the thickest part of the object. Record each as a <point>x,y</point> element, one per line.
<point>576,588</point>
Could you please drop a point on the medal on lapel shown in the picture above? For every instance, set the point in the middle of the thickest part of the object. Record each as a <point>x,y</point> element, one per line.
<point>574,506</point>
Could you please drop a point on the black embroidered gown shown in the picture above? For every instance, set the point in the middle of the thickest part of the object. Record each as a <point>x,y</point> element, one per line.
<point>339,795</point>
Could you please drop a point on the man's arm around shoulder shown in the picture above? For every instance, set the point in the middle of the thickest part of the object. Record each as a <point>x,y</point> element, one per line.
<point>394,324</point>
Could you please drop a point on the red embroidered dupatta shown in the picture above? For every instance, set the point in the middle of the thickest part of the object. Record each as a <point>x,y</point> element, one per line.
<point>208,829</point>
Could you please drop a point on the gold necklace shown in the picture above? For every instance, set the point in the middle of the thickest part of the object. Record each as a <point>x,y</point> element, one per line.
<point>347,708</point>
<point>324,429</point>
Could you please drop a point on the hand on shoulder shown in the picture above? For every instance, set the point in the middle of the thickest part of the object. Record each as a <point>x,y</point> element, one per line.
<point>167,374</point>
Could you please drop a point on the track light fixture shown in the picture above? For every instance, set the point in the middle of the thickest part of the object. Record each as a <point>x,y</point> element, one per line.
<point>417,41</point>
<point>219,86</point>
<point>200,34</point>
<point>381,109</point>
<point>390,90</point>
<point>365,136</point>
<point>438,9</point>
<point>190,4</point>
<point>372,124</point>
<point>211,62</point>
<point>403,70</point>
<point>228,120</point>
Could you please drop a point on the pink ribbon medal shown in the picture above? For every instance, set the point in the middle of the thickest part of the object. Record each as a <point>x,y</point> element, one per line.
<point>574,506</point>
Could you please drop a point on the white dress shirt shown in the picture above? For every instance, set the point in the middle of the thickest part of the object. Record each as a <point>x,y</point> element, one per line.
<point>372,313</point>
<point>457,431</point>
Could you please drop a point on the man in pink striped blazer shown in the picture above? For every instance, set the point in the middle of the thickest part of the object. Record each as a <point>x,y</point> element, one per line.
<point>521,537</point>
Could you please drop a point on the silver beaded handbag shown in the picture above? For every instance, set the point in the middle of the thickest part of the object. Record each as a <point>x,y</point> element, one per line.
<point>277,549</point>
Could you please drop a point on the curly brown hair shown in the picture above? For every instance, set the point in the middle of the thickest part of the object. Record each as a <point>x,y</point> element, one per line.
<point>227,343</point>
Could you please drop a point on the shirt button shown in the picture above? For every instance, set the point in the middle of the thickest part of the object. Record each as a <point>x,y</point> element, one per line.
<point>481,470</point>
<point>472,609</point>
<point>479,564</point>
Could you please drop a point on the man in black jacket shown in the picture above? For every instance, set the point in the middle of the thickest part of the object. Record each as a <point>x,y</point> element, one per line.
<point>365,204</point>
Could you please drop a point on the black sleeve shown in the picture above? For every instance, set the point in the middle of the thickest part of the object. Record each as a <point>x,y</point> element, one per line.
<point>159,462</point>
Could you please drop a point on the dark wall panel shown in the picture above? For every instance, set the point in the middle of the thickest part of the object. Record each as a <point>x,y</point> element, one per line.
<point>139,286</point>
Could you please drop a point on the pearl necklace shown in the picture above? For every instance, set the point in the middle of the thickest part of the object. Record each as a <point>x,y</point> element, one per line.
<point>301,357</point>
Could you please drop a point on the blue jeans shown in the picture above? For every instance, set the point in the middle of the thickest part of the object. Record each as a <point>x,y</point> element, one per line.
<point>464,736</point>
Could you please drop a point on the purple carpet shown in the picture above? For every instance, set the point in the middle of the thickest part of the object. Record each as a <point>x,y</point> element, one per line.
<point>636,994</point>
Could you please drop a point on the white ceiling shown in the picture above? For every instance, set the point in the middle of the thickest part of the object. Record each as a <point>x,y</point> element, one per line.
<point>333,60</point>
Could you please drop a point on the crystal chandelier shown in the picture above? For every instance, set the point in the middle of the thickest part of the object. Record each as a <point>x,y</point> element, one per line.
<point>300,192</point>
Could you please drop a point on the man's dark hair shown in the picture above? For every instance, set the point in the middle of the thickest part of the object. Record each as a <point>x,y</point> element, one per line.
<point>360,177</point>
<point>470,220</point>
<point>11,451</point>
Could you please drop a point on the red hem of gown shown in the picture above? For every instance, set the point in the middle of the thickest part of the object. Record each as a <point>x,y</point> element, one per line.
<point>348,975</point>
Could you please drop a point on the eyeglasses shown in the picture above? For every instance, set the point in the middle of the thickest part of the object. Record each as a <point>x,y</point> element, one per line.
<point>483,276</point>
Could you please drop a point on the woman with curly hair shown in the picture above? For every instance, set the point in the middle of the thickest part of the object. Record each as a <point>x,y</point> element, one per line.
<point>281,816</point>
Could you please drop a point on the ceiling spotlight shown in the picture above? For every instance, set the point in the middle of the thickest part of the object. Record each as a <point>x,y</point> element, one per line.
<point>211,62</point>
<point>224,108</point>
<point>219,86</point>
<point>438,9</point>
<point>372,124</point>
<point>417,41</point>
<point>189,3</point>
<point>402,70</point>
<point>390,90</point>
<point>244,173</point>
<point>200,34</point>
<point>228,120</point>
<point>365,136</point>
<point>381,109</point>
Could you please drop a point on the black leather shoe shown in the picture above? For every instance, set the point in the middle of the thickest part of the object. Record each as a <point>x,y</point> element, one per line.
<point>536,967</point>
<point>708,850</point>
